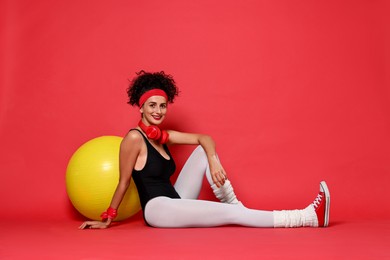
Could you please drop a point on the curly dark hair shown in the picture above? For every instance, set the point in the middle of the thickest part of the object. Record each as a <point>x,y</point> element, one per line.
<point>145,81</point>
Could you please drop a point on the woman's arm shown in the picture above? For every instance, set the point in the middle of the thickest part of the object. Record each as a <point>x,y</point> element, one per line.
<point>129,150</point>
<point>218,174</point>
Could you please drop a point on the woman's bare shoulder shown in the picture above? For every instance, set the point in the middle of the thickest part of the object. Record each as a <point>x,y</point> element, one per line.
<point>132,138</point>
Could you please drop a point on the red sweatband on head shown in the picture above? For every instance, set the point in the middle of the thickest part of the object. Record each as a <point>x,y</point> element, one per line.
<point>150,93</point>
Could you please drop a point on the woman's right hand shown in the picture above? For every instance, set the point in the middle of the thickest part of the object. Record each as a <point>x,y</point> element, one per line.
<point>95,224</point>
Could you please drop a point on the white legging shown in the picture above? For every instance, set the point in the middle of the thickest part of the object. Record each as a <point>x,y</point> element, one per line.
<point>189,212</point>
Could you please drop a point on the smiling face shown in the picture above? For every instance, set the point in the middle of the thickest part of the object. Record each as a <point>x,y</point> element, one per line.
<point>154,110</point>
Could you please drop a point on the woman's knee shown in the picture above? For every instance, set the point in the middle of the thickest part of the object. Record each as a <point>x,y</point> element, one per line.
<point>199,149</point>
<point>200,153</point>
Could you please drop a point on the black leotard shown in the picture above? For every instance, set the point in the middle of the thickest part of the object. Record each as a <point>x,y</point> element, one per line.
<point>154,179</point>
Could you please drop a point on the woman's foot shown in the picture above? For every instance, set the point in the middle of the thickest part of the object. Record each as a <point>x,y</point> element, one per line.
<point>314,215</point>
<point>322,205</point>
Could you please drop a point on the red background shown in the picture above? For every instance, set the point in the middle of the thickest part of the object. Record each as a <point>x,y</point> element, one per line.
<point>293,92</point>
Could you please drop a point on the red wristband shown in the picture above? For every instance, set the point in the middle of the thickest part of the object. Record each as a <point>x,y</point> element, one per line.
<point>110,213</point>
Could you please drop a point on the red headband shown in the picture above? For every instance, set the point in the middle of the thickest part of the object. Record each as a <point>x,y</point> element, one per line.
<point>150,93</point>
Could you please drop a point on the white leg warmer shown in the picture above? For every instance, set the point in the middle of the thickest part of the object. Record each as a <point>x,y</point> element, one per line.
<point>225,193</point>
<point>296,218</point>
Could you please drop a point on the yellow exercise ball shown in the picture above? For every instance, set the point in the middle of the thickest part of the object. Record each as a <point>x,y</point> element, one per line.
<point>92,176</point>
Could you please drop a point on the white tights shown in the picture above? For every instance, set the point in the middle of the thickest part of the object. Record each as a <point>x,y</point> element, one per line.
<point>190,212</point>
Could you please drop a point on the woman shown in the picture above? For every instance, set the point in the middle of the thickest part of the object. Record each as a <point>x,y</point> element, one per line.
<point>144,155</point>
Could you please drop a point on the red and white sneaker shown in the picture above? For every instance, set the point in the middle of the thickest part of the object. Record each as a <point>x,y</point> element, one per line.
<point>322,205</point>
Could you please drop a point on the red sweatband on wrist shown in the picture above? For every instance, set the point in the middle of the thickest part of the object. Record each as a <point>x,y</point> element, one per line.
<point>110,213</point>
<point>152,92</point>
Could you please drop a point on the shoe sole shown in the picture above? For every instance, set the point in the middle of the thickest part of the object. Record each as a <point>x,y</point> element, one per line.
<point>327,202</point>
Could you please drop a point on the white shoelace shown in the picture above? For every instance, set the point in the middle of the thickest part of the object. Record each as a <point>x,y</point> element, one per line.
<point>317,201</point>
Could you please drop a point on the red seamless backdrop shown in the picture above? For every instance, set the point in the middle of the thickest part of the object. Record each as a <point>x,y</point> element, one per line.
<point>293,92</point>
